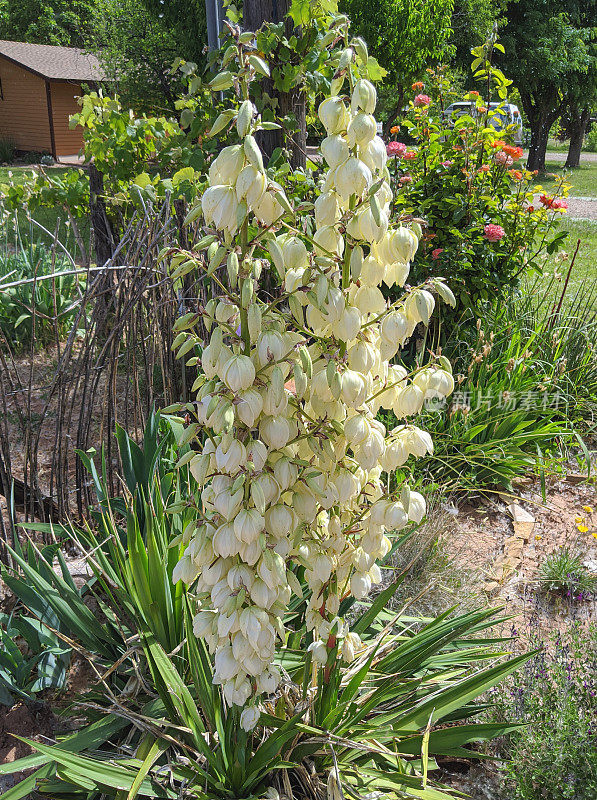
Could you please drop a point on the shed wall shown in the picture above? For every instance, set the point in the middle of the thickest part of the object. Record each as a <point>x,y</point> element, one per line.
<point>64,104</point>
<point>23,111</point>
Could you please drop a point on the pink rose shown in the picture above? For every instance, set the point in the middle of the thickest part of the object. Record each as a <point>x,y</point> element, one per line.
<point>447,164</point>
<point>493,233</point>
<point>396,149</point>
<point>410,155</point>
<point>422,100</point>
<point>503,159</point>
<point>435,254</point>
<point>405,179</point>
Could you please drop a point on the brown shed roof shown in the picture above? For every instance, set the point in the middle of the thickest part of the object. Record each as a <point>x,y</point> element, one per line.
<point>54,63</point>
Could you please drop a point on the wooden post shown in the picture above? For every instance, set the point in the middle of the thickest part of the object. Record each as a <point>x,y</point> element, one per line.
<point>51,119</point>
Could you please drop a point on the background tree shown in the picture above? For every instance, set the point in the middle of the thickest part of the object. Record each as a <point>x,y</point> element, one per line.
<point>60,22</point>
<point>405,36</point>
<point>187,22</point>
<point>545,48</point>
<point>581,92</point>
<point>471,23</point>
<point>137,47</point>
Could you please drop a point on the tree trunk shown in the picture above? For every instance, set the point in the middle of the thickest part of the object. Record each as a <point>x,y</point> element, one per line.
<point>102,232</point>
<point>255,13</point>
<point>539,137</point>
<point>578,127</point>
<point>394,113</point>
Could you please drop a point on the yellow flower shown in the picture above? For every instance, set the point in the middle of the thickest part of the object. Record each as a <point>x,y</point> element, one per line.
<point>594,534</point>
<point>588,509</point>
<point>537,537</point>
<point>582,528</point>
<point>578,519</point>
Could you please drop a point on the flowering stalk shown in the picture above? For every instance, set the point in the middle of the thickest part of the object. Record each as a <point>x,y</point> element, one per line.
<point>290,471</point>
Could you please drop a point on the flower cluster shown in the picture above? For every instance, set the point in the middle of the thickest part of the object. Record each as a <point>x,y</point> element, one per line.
<point>291,466</point>
<point>493,233</point>
<point>553,203</point>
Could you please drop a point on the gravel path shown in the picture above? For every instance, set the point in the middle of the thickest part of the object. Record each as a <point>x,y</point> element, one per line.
<point>585,158</point>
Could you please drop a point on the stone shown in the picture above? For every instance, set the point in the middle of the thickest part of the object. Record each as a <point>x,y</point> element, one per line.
<point>523,521</point>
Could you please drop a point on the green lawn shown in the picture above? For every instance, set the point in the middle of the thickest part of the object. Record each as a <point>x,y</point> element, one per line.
<point>582,284</point>
<point>583,179</point>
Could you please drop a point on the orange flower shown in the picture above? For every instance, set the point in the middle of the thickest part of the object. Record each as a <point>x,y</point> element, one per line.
<point>473,93</point>
<point>498,143</point>
<point>484,168</point>
<point>513,152</point>
<point>516,174</point>
<point>482,109</point>
<point>416,87</point>
<point>395,129</point>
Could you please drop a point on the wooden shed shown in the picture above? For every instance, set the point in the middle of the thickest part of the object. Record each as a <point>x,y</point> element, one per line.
<point>39,85</point>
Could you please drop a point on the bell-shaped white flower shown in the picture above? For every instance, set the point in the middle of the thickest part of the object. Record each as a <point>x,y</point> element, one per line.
<point>335,150</point>
<point>353,177</point>
<point>361,130</point>
<point>334,115</point>
<point>238,373</point>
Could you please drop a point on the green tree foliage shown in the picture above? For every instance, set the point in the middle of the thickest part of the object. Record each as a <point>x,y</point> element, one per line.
<point>471,24</point>
<point>137,47</point>
<point>186,21</point>
<point>546,46</point>
<point>405,36</point>
<point>581,90</point>
<point>60,22</point>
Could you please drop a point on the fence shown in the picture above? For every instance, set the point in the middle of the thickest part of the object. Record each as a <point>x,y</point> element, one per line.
<point>111,366</point>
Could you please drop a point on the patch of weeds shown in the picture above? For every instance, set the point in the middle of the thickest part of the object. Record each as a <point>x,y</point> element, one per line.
<point>554,755</point>
<point>564,573</point>
<point>432,579</point>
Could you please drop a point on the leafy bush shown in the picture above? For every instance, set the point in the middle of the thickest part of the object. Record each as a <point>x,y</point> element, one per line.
<point>591,140</point>
<point>554,755</point>
<point>465,181</point>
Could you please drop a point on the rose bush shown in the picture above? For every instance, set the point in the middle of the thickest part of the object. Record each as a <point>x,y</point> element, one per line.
<point>476,198</point>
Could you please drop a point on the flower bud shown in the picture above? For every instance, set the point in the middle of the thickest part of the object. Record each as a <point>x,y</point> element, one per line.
<point>244,118</point>
<point>333,115</point>
<point>364,96</point>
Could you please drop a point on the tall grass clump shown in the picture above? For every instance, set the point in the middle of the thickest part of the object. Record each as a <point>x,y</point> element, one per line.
<point>526,390</point>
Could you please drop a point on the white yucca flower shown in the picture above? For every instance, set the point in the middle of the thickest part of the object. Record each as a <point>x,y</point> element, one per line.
<point>291,470</point>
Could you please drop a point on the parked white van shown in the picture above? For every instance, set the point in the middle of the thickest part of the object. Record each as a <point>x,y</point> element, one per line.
<point>506,117</point>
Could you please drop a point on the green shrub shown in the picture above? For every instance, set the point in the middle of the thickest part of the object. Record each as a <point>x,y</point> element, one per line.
<point>7,150</point>
<point>563,572</point>
<point>554,756</point>
<point>467,182</point>
<point>591,140</point>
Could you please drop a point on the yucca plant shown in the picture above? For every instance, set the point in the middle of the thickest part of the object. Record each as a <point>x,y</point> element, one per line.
<point>159,727</point>
<point>407,698</point>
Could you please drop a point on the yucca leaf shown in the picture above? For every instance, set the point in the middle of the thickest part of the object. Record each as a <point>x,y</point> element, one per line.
<point>155,751</point>
<point>94,773</point>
